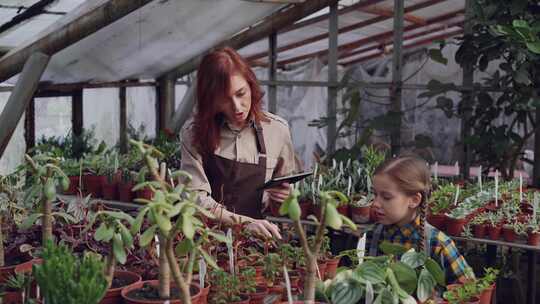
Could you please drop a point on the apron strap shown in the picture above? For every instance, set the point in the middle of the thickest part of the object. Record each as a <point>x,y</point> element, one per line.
<point>374,246</point>
<point>260,143</point>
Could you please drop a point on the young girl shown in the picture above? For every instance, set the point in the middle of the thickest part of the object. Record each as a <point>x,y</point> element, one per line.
<point>401,187</point>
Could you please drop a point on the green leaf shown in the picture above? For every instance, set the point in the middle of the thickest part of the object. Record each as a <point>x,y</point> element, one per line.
<point>118,249</point>
<point>437,56</point>
<point>426,284</point>
<point>436,271</point>
<point>348,222</point>
<point>534,47</point>
<point>405,275</point>
<point>209,260</point>
<point>187,226</point>
<point>104,233</point>
<point>220,237</point>
<point>284,208</point>
<point>30,220</point>
<point>204,212</point>
<point>332,217</point>
<point>185,247</point>
<point>386,297</point>
<point>346,292</point>
<point>391,248</point>
<point>137,223</point>
<point>164,223</point>
<point>370,271</point>
<point>414,259</point>
<point>294,210</point>
<point>520,23</point>
<point>119,215</point>
<point>127,238</point>
<point>147,236</point>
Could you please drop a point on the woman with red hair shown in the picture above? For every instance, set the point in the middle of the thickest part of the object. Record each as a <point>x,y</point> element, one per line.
<point>232,147</point>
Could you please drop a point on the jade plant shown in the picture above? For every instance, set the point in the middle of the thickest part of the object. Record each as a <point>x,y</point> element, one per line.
<point>229,287</point>
<point>330,217</point>
<point>46,176</point>
<point>172,213</point>
<point>113,231</point>
<point>385,279</point>
<point>66,279</point>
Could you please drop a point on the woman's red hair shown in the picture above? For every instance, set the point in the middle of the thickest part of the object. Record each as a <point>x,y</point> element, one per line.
<point>213,85</point>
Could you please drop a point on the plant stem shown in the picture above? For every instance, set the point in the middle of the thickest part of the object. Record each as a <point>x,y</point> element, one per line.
<point>177,274</point>
<point>46,221</point>
<point>164,270</point>
<point>109,267</point>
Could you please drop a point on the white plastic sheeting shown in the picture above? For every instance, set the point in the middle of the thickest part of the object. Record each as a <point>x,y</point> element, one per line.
<point>151,40</point>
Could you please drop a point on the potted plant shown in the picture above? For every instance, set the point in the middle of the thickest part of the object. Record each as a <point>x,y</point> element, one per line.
<point>64,278</point>
<point>249,287</point>
<point>46,176</point>
<point>330,217</point>
<point>172,213</point>
<point>124,187</point>
<point>273,265</point>
<point>73,169</point>
<point>144,192</point>
<point>117,236</point>
<point>479,223</point>
<point>486,284</point>
<point>11,211</point>
<point>468,293</point>
<point>110,187</point>
<point>533,232</point>
<point>512,229</point>
<point>227,289</point>
<point>385,279</point>
<point>456,221</point>
<point>494,227</point>
<point>94,179</point>
<point>360,207</point>
<point>440,203</point>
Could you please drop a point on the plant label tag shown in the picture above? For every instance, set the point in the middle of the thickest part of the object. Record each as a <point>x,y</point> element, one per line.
<point>456,198</point>
<point>480,178</point>
<point>202,272</point>
<point>436,171</point>
<point>287,284</point>
<point>156,239</point>
<point>361,249</point>
<point>230,250</point>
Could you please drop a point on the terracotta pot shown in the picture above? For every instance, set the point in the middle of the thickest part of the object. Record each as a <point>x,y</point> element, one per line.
<point>12,297</point>
<point>331,267</point>
<point>7,271</point>
<point>494,232</point>
<point>485,296</point>
<point>124,192</point>
<point>438,221</point>
<point>344,209</point>
<point>203,299</point>
<point>113,295</point>
<point>93,184</point>
<point>145,193</point>
<point>322,268</point>
<point>509,234</point>
<point>154,283</point>
<point>27,266</point>
<point>258,296</point>
<point>110,191</point>
<point>454,227</point>
<point>479,231</point>
<point>533,239</point>
<point>73,185</point>
<point>259,277</point>
<point>360,214</point>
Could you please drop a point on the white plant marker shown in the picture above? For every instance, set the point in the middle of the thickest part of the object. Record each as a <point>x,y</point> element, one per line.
<point>202,272</point>
<point>287,284</point>
<point>340,167</point>
<point>520,187</point>
<point>320,183</point>
<point>457,195</point>
<point>230,250</point>
<point>496,188</point>
<point>349,187</point>
<point>318,271</point>
<point>315,169</point>
<point>361,249</point>
<point>156,239</point>
<point>480,178</point>
<point>436,171</point>
<point>170,177</point>
<point>456,166</point>
<point>334,164</point>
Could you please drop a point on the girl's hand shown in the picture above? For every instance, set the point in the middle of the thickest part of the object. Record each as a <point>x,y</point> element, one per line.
<point>279,194</point>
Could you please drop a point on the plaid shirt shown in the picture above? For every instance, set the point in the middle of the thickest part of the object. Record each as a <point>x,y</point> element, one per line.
<point>442,248</point>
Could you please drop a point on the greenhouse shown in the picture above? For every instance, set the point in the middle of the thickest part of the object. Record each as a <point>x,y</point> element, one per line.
<point>269,151</point>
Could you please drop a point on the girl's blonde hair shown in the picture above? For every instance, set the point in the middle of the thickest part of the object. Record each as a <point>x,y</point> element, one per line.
<point>412,176</point>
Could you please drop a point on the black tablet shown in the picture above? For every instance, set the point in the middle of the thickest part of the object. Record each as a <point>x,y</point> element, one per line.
<point>291,179</point>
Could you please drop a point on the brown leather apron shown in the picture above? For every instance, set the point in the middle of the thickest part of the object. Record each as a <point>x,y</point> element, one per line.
<point>235,184</point>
